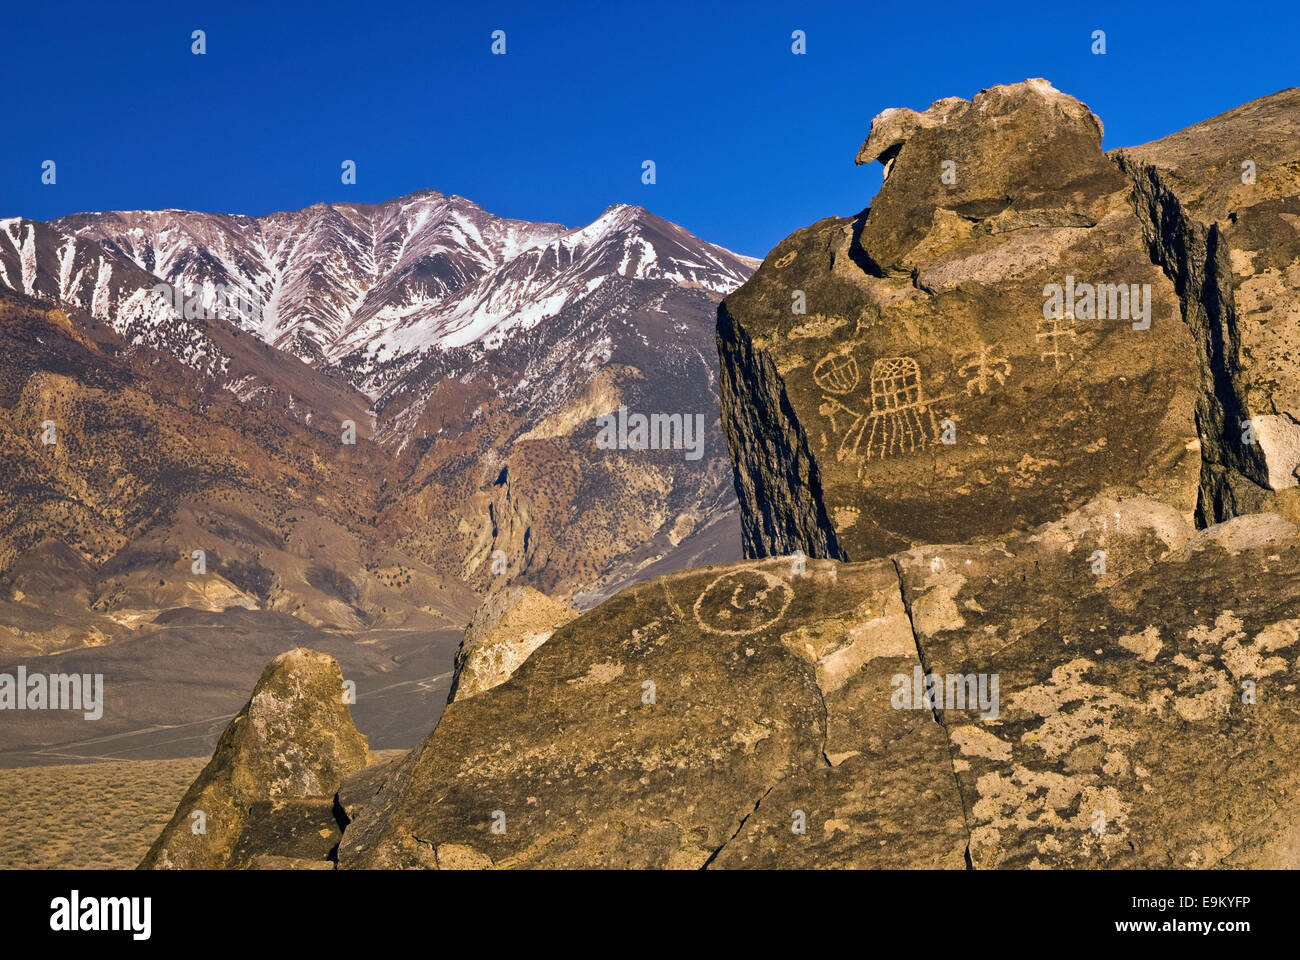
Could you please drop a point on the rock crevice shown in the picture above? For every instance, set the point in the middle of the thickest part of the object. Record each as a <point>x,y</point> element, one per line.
<point>777,480</point>
<point>934,712</point>
<point>1235,475</point>
<point>910,360</point>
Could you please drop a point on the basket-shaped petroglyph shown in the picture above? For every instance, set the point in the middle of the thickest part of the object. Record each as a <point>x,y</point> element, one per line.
<point>895,384</point>
<point>900,418</point>
<point>837,373</point>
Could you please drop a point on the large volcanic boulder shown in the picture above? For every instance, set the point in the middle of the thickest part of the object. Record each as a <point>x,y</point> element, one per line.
<point>1107,690</point>
<point>646,732</point>
<point>269,788</point>
<point>1220,205</point>
<point>985,348</point>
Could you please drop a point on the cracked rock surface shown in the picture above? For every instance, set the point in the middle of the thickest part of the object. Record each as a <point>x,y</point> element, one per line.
<point>1220,205</point>
<point>645,733</point>
<point>1114,689</point>
<point>1143,715</point>
<point>1143,712</point>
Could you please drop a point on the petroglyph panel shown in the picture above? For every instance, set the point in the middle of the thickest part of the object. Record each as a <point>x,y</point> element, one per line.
<point>895,418</point>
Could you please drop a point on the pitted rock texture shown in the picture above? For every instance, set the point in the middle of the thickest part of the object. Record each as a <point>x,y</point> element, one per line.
<point>1143,723</point>
<point>1112,689</point>
<point>270,786</point>
<point>507,627</point>
<point>361,787</point>
<point>934,387</point>
<point>648,731</point>
<point>298,830</point>
<point>1139,715</point>
<point>1220,205</point>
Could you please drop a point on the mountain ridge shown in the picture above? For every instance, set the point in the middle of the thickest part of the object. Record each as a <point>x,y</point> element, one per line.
<point>364,287</point>
<point>471,355</point>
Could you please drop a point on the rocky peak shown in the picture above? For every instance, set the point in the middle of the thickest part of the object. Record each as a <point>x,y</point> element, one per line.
<point>893,127</point>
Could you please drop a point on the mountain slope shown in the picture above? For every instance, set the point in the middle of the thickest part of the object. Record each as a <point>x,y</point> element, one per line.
<point>477,352</point>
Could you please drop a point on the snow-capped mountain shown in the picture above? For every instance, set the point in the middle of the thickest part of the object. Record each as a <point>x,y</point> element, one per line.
<point>368,288</point>
<point>532,283</point>
<point>476,352</point>
<point>79,273</point>
<point>49,263</point>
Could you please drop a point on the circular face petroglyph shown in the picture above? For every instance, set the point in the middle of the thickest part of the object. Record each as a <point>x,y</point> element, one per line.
<point>742,602</point>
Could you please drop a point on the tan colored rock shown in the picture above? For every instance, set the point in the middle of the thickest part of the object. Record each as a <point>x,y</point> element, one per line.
<point>1143,712</point>
<point>682,713</point>
<point>272,862</point>
<point>1075,704</point>
<point>1036,661</point>
<point>506,629</point>
<point>1220,205</point>
<point>269,788</point>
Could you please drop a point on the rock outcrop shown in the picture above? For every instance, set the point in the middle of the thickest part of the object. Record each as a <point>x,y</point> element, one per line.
<point>645,733</point>
<point>773,714</point>
<point>985,348</point>
<point>1143,721</point>
<point>269,788</point>
<point>506,628</point>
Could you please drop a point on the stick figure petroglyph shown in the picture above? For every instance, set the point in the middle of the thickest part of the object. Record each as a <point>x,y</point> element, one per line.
<point>983,369</point>
<point>1054,330</point>
<point>901,418</point>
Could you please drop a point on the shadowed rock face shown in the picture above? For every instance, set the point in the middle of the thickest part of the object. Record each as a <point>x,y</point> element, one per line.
<point>924,320</point>
<point>270,786</point>
<point>1220,206</point>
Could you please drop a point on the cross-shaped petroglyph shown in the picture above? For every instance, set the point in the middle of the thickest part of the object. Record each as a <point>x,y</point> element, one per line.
<point>1054,330</point>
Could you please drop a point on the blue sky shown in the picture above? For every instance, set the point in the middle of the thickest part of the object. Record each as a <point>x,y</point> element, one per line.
<point>750,140</point>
